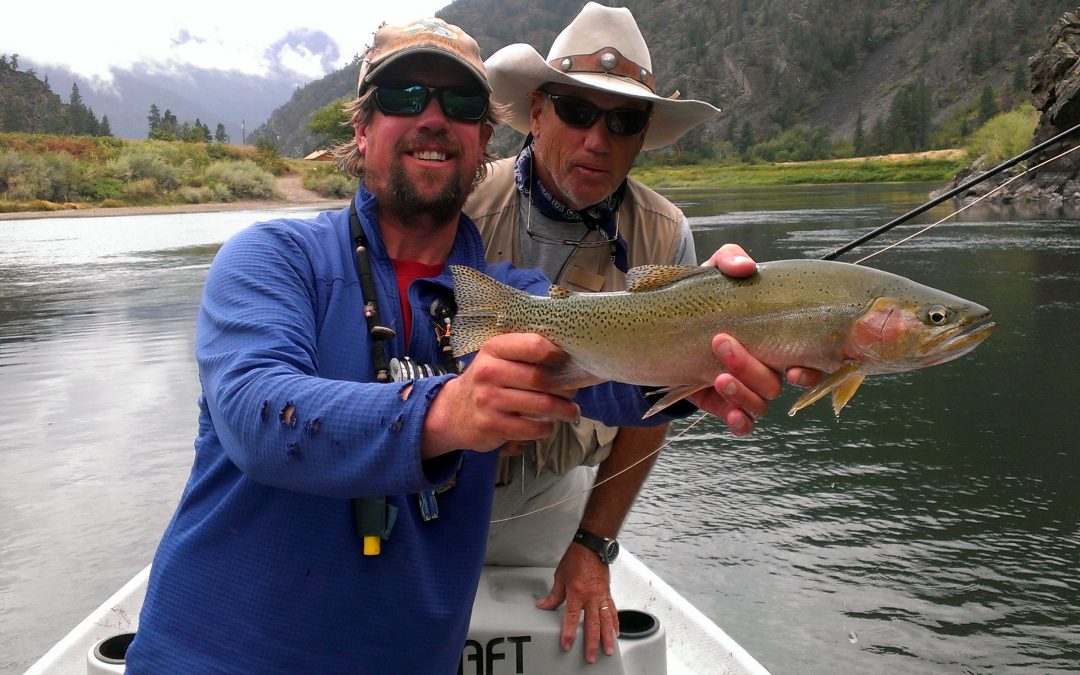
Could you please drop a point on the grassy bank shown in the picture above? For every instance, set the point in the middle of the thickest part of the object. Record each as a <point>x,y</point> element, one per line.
<point>46,173</point>
<point>41,172</point>
<point>938,166</point>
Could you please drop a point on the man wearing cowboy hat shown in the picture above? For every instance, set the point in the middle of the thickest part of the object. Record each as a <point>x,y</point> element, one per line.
<point>565,204</point>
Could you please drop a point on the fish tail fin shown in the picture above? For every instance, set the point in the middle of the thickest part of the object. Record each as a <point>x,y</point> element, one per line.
<point>481,302</point>
<point>842,385</point>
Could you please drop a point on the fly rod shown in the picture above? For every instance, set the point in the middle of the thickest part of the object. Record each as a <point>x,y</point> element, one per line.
<point>950,194</point>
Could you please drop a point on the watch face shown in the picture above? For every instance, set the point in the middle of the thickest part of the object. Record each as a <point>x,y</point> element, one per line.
<point>611,550</point>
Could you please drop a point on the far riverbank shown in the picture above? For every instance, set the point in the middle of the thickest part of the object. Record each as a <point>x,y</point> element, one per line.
<point>938,166</point>
<point>290,190</point>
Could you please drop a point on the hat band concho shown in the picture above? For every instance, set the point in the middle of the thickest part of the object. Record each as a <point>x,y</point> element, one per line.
<point>608,61</point>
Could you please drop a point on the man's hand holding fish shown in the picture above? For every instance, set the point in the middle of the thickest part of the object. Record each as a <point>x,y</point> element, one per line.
<point>741,395</point>
<point>498,396</point>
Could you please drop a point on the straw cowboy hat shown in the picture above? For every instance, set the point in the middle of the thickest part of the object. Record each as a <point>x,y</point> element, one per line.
<point>602,49</point>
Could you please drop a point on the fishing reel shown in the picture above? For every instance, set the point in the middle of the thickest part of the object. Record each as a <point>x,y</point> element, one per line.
<point>407,369</point>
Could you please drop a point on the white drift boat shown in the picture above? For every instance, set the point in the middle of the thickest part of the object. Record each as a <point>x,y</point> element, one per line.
<point>661,631</point>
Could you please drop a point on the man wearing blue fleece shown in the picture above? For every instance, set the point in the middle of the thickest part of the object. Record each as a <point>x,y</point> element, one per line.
<point>338,505</point>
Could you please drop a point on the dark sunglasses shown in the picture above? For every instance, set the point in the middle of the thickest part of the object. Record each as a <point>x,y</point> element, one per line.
<point>578,112</point>
<point>459,103</point>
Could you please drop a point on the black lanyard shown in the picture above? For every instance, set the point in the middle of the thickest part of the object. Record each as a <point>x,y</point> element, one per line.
<point>379,333</point>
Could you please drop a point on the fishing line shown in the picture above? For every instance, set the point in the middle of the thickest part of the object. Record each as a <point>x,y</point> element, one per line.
<point>966,206</point>
<point>611,477</point>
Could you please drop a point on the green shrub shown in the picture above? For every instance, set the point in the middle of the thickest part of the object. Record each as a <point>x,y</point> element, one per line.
<point>103,188</point>
<point>11,166</point>
<point>194,195</point>
<point>797,144</point>
<point>243,179</point>
<point>64,175</point>
<point>1003,136</point>
<point>272,162</point>
<point>140,190</point>
<point>219,151</point>
<point>136,164</point>
<point>23,177</point>
<point>206,194</point>
<point>328,182</point>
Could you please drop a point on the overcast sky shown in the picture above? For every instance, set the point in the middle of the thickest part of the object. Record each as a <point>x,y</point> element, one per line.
<point>90,38</point>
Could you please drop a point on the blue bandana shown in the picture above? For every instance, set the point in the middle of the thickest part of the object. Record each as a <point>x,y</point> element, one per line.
<point>599,216</point>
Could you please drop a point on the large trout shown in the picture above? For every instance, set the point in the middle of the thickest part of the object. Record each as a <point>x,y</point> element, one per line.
<point>846,320</point>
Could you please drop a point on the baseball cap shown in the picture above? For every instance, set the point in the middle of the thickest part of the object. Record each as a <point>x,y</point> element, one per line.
<point>426,36</point>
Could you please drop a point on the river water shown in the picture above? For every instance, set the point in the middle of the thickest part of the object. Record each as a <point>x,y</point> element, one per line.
<point>932,528</point>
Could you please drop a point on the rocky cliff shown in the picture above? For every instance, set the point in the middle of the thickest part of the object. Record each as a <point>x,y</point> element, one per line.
<point>1055,91</point>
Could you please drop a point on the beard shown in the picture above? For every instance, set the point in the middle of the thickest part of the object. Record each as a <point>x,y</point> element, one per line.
<point>405,200</point>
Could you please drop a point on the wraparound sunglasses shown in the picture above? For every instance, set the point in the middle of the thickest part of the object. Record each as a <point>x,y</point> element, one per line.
<point>410,98</point>
<point>577,112</point>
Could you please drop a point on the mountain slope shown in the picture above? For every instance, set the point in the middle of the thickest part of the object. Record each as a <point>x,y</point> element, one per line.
<point>774,64</point>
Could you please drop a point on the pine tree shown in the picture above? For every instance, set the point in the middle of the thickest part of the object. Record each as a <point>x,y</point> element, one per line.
<point>168,129</point>
<point>76,113</point>
<point>153,119</point>
<point>859,143</point>
<point>987,104</point>
<point>220,136</point>
<point>13,114</point>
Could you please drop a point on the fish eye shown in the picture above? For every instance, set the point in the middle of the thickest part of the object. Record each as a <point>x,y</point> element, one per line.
<point>938,315</point>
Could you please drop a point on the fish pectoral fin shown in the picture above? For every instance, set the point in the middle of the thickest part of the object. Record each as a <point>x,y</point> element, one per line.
<point>671,395</point>
<point>837,384</point>
<point>651,277</point>
<point>844,391</point>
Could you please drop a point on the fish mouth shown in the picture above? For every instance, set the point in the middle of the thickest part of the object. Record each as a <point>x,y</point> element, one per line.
<point>958,341</point>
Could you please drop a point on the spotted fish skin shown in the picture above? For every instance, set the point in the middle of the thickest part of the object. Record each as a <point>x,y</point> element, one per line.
<point>846,320</point>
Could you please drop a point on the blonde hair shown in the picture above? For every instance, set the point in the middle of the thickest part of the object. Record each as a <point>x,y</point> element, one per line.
<point>348,157</point>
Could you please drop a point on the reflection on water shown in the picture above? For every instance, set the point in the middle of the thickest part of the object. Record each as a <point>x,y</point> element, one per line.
<point>932,528</point>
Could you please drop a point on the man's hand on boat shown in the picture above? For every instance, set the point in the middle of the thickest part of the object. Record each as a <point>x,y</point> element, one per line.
<point>584,582</point>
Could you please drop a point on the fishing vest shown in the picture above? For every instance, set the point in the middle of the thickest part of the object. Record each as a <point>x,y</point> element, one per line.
<point>647,222</point>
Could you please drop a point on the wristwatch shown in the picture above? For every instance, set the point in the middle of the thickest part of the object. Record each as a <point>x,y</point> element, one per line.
<point>606,549</point>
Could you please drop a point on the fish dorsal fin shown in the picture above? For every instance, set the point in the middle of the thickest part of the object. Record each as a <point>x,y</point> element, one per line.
<point>841,384</point>
<point>558,292</point>
<point>653,277</point>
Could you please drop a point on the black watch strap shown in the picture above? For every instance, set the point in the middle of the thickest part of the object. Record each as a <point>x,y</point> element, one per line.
<point>606,549</point>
